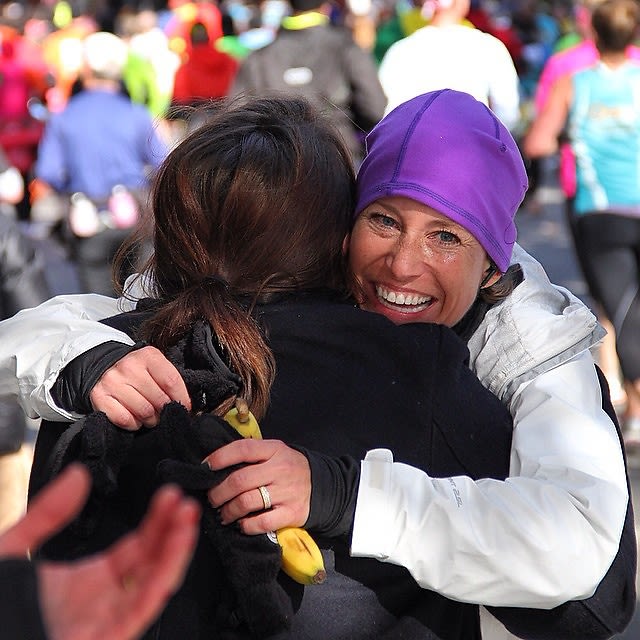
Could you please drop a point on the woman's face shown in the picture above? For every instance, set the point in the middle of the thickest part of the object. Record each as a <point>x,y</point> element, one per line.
<point>413,264</point>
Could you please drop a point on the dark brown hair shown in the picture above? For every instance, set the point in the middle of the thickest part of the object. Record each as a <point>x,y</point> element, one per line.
<point>255,202</point>
<point>502,288</point>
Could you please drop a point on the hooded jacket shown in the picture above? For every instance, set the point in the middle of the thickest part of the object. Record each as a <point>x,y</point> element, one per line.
<point>207,73</point>
<point>538,327</point>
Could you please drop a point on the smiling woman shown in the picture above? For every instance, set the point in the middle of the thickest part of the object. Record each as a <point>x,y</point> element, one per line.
<point>428,224</point>
<point>413,264</point>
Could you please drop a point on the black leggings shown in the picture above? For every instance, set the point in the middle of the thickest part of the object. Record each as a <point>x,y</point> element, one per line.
<point>608,247</point>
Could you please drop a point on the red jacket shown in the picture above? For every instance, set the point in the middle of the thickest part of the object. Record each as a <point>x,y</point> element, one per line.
<point>207,73</point>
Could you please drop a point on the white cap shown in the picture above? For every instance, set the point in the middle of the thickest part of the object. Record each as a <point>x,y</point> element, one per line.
<point>105,54</point>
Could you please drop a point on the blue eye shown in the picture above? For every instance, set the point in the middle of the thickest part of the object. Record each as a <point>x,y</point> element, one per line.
<point>447,237</point>
<point>387,221</point>
<point>383,220</point>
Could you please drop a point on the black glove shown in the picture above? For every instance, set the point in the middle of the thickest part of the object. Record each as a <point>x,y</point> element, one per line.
<point>251,563</point>
<point>208,379</point>
<point>74,384</point>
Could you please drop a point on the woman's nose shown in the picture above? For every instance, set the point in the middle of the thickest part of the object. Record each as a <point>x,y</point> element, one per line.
<point>405,261</point>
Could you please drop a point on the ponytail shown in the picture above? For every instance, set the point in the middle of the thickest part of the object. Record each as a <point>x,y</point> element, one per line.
<point>240,340</point>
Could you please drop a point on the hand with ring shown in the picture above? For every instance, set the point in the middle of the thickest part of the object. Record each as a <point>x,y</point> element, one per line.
<point>272,491</point>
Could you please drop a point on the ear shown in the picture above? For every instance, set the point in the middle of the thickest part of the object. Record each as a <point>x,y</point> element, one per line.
<point>345,244</point>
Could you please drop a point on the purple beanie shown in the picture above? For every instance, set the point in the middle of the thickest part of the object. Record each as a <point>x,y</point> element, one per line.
<point>449,151</point>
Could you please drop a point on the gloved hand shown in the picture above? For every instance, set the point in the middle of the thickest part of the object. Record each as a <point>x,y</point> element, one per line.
<point>335,483</point>
<point>208,379</point>
<point>102,448</point>
<point>251,563</point>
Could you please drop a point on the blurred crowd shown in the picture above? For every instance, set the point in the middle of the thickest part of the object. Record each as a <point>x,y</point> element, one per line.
<point>180,53</point>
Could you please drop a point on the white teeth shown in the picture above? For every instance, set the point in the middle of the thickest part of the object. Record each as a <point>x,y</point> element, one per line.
<point>405,299</point>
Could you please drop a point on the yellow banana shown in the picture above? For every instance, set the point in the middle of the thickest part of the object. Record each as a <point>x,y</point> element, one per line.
<point>301,557</point>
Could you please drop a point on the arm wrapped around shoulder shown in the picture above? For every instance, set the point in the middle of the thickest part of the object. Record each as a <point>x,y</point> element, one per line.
<point>334,489</point>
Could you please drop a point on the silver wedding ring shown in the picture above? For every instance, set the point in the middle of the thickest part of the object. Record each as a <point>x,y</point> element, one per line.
<point>266,498</point>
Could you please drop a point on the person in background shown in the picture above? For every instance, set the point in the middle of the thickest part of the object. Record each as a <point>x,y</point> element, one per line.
<point>151,65</point>
<point>22,284</point>
<point>21,80</point>
<point>567,475</point>
<point>568,61</point>
<point>449,54</point>
<point>205,72</point>
<point>581,54</point>
<point>320,61</point>
<point>114,594</point>
<point>96,155</point>
<point>599,108</point>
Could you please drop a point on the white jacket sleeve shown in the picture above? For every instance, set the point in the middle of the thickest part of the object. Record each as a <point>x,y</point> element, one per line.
<point>37,343</point>
<point>544,536</point>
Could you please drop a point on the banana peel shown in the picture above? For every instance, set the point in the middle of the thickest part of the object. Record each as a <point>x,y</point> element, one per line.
<point>301,557</point>
<point>243,421</point>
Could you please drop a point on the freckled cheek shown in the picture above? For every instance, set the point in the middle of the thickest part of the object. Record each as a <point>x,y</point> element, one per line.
<point>365,254</point>
<point>449,261</point>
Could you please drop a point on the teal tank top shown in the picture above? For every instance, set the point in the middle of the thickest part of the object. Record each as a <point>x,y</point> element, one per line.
<point>604,129</point>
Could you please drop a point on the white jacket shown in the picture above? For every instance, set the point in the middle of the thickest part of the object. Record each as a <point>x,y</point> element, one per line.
<point>546,535</point>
